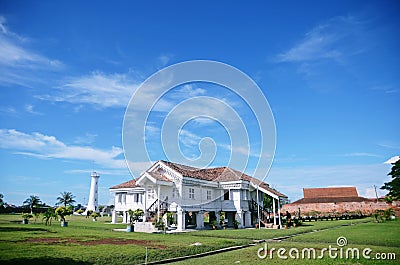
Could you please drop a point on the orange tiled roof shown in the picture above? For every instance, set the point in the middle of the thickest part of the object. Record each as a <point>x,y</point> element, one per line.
<point>336,192</point>
<point>128,184</point>
<point>330,200</point>
<point>158,176</point>
<point>219,174</point>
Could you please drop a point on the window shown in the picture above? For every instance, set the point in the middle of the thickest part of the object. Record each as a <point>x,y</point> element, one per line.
<point>191,193</point>
<point>150,193</point>
<point>175,193</point>
<point>121,197</point>
<point>137,197</point>
<point>209,195</point>
<point>226,195</point>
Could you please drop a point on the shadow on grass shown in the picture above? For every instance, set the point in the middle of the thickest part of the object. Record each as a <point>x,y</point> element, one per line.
<point>44,260</point>
<point>22,228</point>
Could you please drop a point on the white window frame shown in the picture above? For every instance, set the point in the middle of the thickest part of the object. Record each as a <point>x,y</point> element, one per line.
<point>209,195</point>
<point>191,193</point>
<point>175,192</point>
<point>150,193</point>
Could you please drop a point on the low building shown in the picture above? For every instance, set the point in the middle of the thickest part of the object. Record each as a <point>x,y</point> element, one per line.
<point>336,200</point>
<point>189,194</point>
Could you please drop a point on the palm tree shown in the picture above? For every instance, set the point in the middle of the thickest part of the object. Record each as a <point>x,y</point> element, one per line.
<point>32,201</point>
<point>66,198</point>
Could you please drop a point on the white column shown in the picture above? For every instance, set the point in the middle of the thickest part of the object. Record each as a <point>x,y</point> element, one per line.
<point>247,217</point>
<point>240,218</point>
<point>273,209</point>
<point>180,220</point>
<point>217,217</point>
<point>200,220</point>
<point>279,214</point>
<point>114,218</point>
<point>158,202</point>
<point>145,205</point>
<point>124,217</point>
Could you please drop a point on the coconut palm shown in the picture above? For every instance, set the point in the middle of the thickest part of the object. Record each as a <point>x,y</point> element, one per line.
<point>33,201</point>
<point>66,199</point>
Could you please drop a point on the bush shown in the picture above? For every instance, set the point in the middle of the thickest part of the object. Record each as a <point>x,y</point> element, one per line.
<point>27,216</point>
<point>94,215</point>
<point>63,211</point>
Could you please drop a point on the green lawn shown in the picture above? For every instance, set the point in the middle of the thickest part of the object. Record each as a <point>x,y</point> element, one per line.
<point>88,242</point>
<point>379,237</point>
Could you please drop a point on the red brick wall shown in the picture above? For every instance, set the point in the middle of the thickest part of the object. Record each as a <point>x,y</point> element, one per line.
<point>366,207</point>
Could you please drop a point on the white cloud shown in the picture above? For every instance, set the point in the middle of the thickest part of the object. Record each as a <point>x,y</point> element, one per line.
<point>43,146</point>
<point>361,154</point>
<point>188,138</point>
<point>17,61</point>
<point>88,138</point>
<point>30,109</point>
<point>188,91</point>
<point>164,59</point>
<point>325,41</point>
<point>390,146</point>
<point>368,193</point>
<point>113,90</point>
<point>392,160</point>
<point>8,110</point>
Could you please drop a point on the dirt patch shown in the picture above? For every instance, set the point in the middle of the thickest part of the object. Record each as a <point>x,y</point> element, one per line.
<point>103,241</point>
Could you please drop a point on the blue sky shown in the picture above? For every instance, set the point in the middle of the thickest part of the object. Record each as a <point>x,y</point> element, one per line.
<point>330,72</point>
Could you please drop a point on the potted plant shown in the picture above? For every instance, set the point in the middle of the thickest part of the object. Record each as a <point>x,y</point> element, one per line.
<point>134,216</point>
<point>63,211</point>
<point>26,217</point>
<point>94,216</point>
<point>236,223</point>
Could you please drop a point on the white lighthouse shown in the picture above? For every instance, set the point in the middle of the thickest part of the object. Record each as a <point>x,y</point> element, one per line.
<point>93,203</point>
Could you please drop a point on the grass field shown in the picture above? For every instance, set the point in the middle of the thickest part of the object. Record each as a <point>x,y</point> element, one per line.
<point>88,242</point>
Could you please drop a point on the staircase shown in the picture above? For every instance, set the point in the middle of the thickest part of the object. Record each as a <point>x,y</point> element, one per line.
<point>265,218</point>
<point>152,211</point>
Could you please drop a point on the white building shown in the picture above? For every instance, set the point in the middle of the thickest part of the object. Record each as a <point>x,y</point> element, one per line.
<point>189,193</point>
<point>93,204</point>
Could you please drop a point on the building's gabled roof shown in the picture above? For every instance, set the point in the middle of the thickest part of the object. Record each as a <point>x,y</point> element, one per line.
<point>159,176</point>
<point>330,200</point>
<point>219,174</point>
<point>336,192</point>
<point>330,195</point>
<point>128,184</point>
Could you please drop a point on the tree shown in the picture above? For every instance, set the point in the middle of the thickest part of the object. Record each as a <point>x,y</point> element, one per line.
<point>1,201</point>
<point>267,202</point>
<point>393,186</point>
<point>63,211</point>
<point>66,199</point>
<point>49,215</point>
<point>33,202</point>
